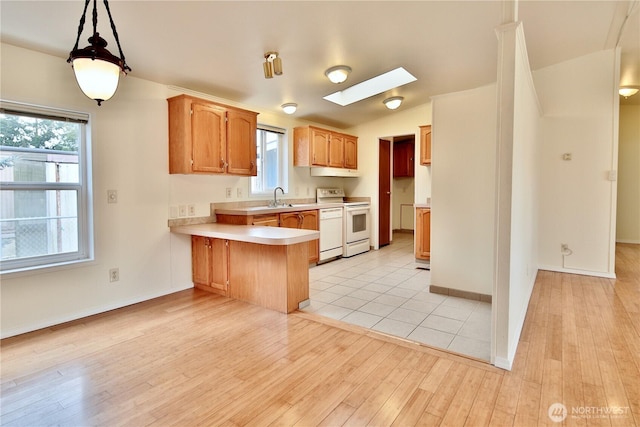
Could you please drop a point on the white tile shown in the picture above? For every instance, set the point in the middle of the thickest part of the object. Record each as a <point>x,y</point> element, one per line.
<point>355,283</point>
<point>349,302</point>
<point>429,297</point>
<point>313,306</point>
<point>407,316</point>
<point>340,290</point>
<point>332,279</point>
<point>320,285</point>
<point>391,300</point>
<point>460,303</point>
<point>376,287</point>
<point>423,307</point>
<point>479,330</point>
<point>431,337</point>
<point>400,292</point>
<point>359,318</point>
<point>377,309</point>
<point>391,279</point>
<point>326,297</point>
<point>443,324</point>
<point>471,347</point>
<point>452,312</point>
<point>394,327</point>
<point>333,311</point>
<point>364,294</point>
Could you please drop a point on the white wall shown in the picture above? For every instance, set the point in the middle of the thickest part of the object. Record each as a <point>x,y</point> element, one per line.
<point>398,122</point>
<point>577,200</point>
<point>463,190</point>
<point>516,260</point>
<point>130,155</point>
<point>628,212</point>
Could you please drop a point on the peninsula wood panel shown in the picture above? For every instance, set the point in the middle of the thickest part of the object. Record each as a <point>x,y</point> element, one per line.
<point>274,276</point>
<point>193,358</point>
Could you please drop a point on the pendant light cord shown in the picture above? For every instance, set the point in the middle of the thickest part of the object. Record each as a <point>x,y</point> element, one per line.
<point>95,29</point>
<point>115,35</point>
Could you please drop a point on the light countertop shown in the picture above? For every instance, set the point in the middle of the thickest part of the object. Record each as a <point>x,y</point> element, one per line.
<point>261,210</point>
<point>276,236</point>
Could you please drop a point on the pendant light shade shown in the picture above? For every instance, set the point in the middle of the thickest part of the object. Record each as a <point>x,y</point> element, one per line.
<point>97,70</point>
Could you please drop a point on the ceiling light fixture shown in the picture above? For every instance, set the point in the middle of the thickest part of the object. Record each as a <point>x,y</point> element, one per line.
<point>379,84</point>
<point>272,65</point>
<point>289,107</point>
<point>338,74</point>
<point>97,71</point>
<point>627,91</point>
<point>393,102</point>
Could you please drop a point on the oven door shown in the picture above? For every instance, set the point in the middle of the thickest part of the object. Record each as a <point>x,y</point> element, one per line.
<point>356,223</point>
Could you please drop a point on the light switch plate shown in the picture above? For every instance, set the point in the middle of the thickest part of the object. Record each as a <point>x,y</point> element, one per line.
<point>112,196</point>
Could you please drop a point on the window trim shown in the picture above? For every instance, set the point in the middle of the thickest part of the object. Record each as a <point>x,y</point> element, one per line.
<point>83,187</point>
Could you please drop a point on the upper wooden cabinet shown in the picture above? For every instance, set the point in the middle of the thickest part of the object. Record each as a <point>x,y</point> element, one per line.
<point>425,145</point>
<point>314,146</point>
<point>403,159</point>
<point>206,137</point>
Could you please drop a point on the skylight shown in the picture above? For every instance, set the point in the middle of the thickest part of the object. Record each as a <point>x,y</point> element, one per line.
<point>371,87</point>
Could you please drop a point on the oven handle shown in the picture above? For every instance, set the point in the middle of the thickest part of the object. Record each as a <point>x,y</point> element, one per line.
<point>358,210</point>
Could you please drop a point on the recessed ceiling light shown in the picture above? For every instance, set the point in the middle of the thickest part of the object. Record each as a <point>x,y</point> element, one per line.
<point>373,86</point>
<point>289,108</point>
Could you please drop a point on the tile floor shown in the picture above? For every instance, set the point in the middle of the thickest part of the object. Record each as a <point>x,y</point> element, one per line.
<point>385,291</point>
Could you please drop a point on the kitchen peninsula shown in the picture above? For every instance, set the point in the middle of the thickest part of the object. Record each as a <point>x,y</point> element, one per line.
<point>266,266</point>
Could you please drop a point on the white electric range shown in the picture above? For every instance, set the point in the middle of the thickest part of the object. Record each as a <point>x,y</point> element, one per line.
<point>356,224</point>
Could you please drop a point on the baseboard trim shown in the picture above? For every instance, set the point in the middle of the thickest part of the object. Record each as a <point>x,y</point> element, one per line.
<point>575,271</point>
<point>458,293</point>
<point>90,312</point>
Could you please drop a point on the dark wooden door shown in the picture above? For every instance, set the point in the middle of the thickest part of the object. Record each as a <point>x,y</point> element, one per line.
<point>384,195</point>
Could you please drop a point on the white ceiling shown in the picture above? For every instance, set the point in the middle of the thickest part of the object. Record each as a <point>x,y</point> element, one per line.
<point>218,47</point>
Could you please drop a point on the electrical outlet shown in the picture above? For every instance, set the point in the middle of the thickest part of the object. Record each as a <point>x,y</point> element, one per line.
<point>112,196</point>
<point>191,210</point>
<point>173,211</point>
<point>228,192</point>
<point>114,274</point>
<point>182,210</point>
<point>239,192</point>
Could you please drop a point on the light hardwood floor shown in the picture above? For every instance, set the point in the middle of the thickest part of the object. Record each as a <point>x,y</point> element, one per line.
<point>193,358</point>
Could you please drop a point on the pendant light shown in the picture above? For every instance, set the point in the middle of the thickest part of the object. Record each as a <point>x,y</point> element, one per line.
<point>96,69</point>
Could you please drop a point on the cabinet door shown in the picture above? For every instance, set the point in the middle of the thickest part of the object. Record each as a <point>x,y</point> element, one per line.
<point>208,133</point>
<point>336,151</point>
<point>200,267</point>
<point>219,266</point>
<point>319,147</point>
<point>290,220</point>
<point>350,152</point>
<point>309,221</point>
<point>241,142</point>
<point>403,165</point>
<point>425,145</point>
<point>423,233</point>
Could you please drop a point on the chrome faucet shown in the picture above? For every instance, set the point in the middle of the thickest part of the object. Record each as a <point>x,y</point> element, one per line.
<point>275,200</point>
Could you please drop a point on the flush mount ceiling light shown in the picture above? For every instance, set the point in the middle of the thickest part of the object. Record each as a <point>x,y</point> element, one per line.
<point>289,108</point>
<point>393,102</point>
<point>272,65</point>
<point>97,71</point>
<point>627,91</point>
<point>382,83</point>
<point>338,74</point>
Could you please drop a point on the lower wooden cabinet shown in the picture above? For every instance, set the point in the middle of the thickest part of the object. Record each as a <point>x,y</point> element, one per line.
<point>306,220</point>
<point>210,264</point>
<point>423,233</point>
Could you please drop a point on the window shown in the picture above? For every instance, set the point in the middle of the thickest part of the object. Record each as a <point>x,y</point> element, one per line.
<point>44,197</point>
<point>271,159</point>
